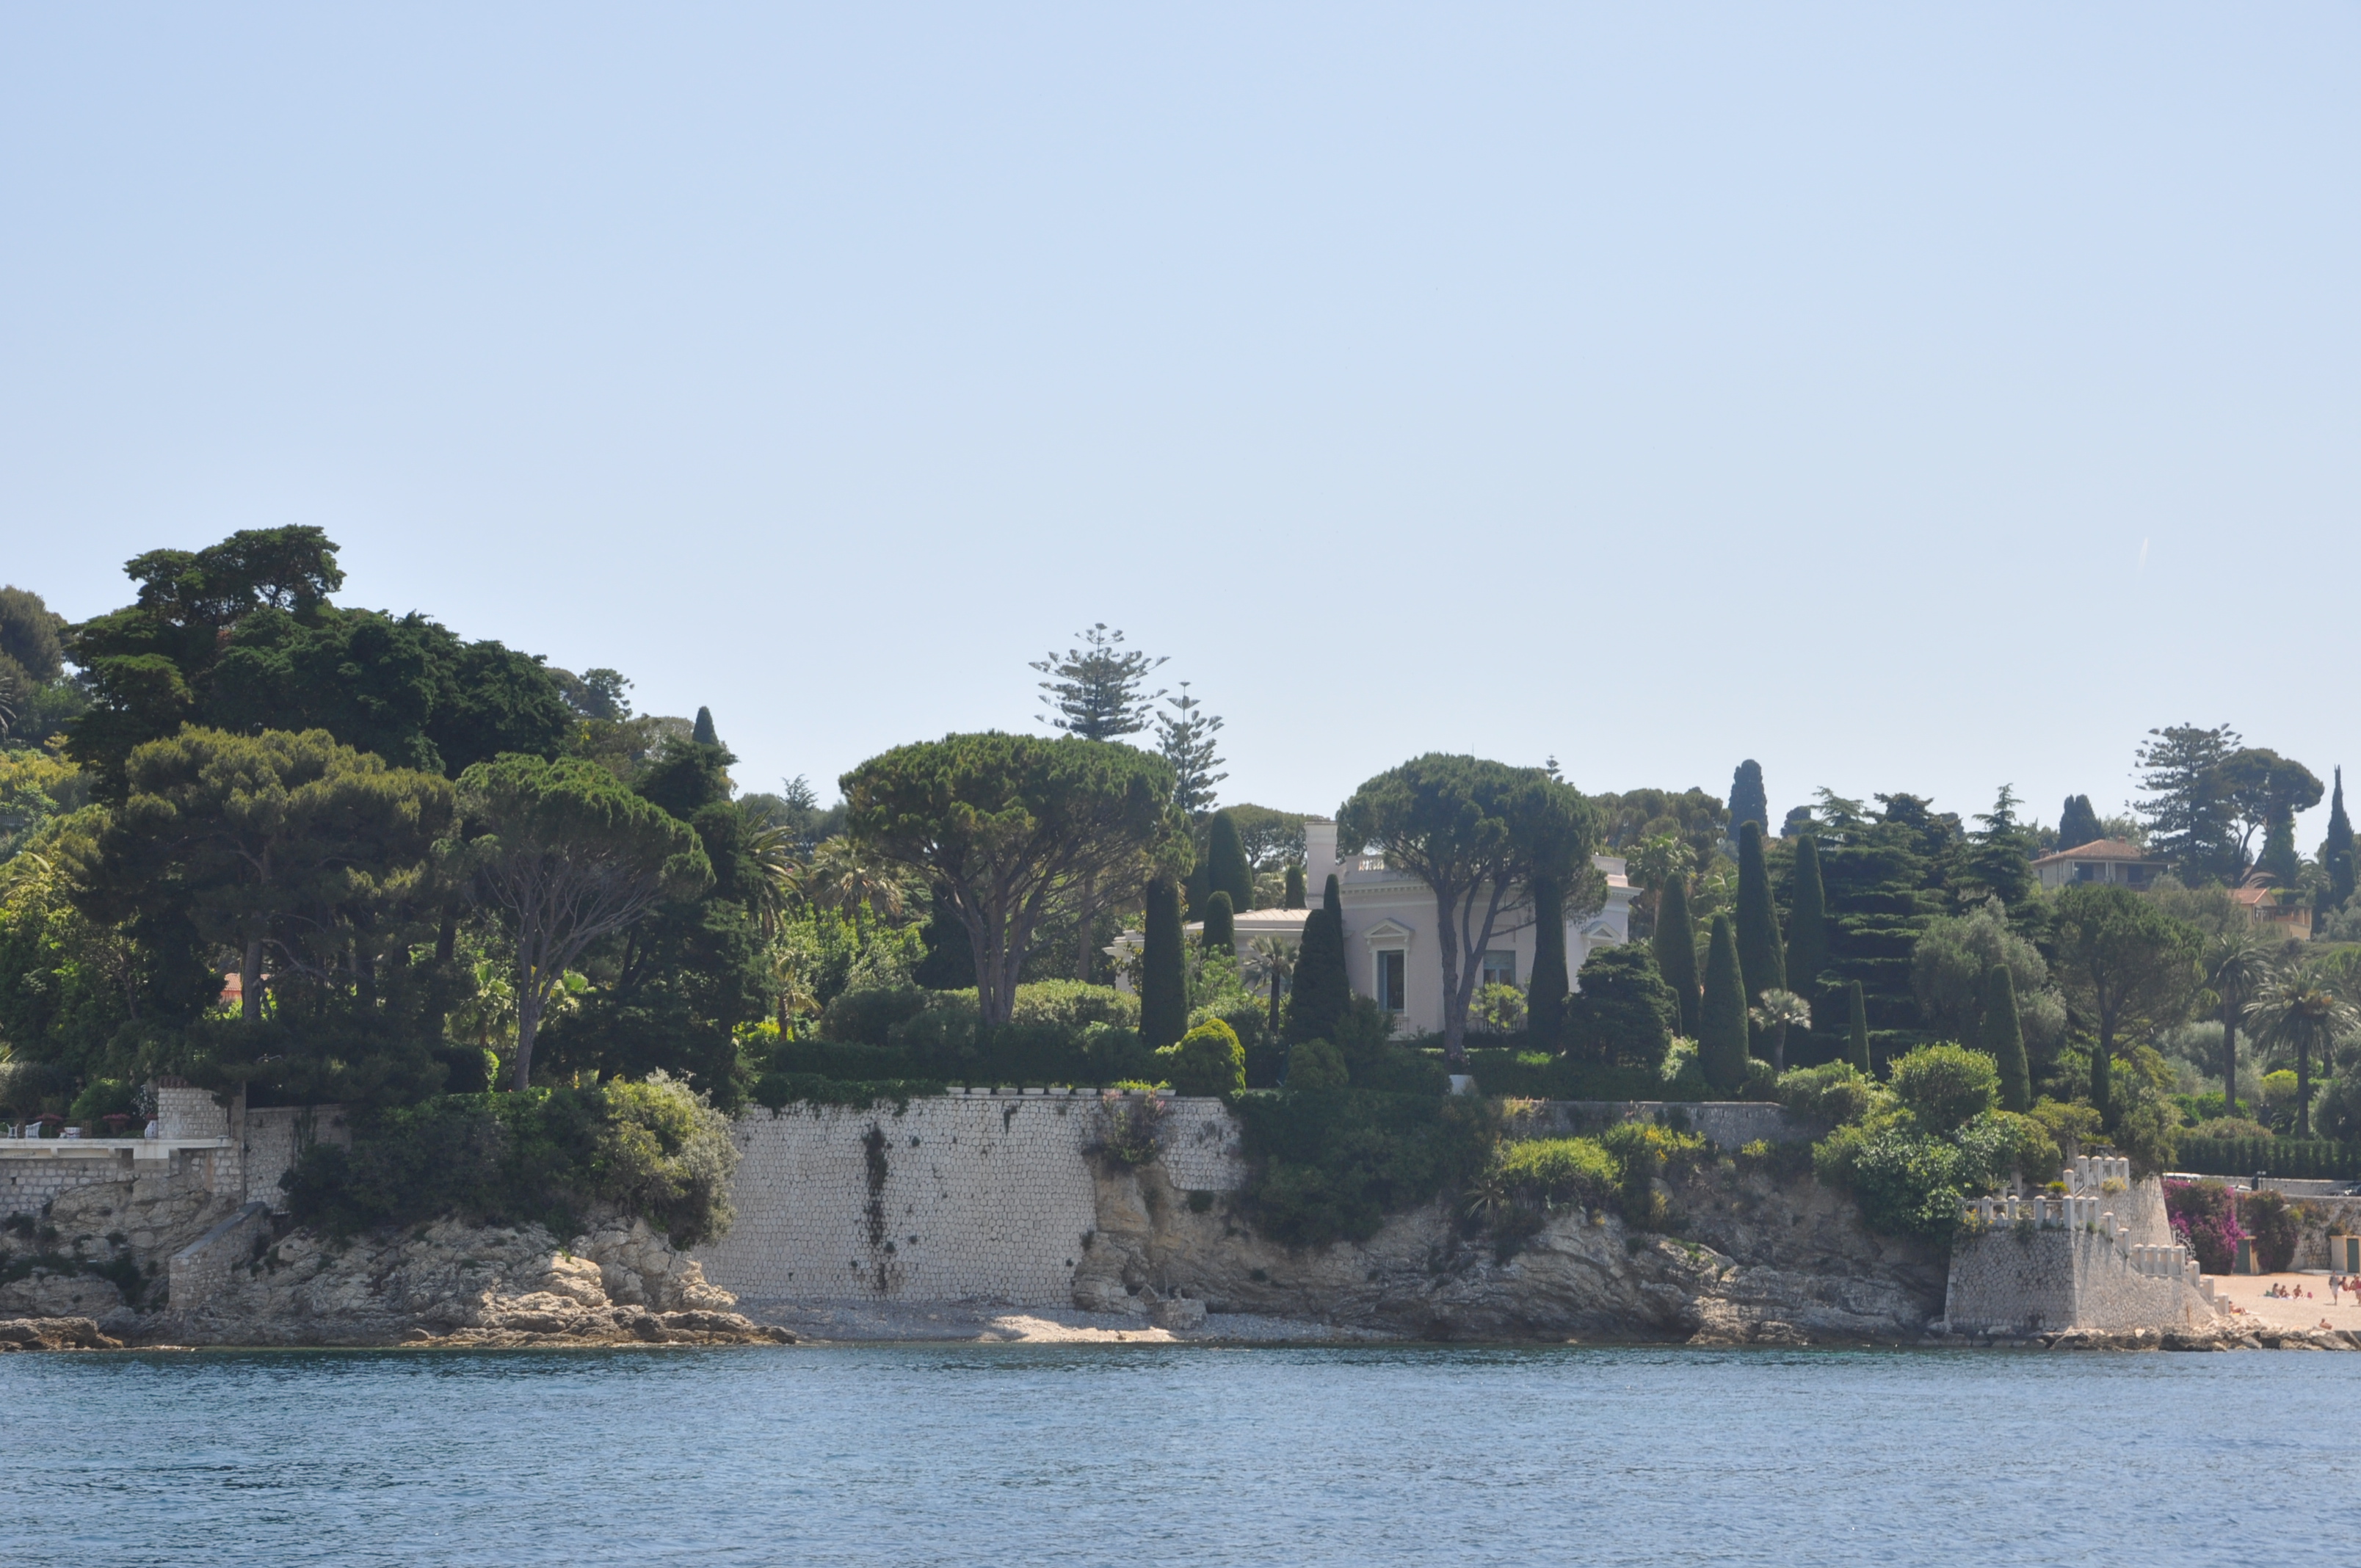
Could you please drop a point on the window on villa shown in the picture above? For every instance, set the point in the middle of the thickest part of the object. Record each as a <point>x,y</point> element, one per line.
<point>2086,874</point>
<point>1389,981</point>
<point>1500,968</point>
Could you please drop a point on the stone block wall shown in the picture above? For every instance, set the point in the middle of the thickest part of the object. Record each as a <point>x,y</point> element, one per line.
<point>2110,1265</point>
<point>31,1177</point>
<point>960,1197</point>
<point>200,1271</point>
<point>1728,1124</point>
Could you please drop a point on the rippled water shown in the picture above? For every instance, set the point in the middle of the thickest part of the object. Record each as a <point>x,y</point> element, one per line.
<point>1180,1456</point>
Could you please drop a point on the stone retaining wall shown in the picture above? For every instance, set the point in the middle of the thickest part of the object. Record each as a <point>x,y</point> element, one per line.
<point>1728,1124</point>
<point>961,1197</point>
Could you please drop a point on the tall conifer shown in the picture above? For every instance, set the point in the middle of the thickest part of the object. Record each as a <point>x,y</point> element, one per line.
<point>1857,1028</point>
<point>1163,977</point>
<point>1721,1037</point>
<point>2078,824</point>
<point>1221,932</point>
<point>1747,801</point>
<point>703,732</point>
<point>1293,897</point>
<point>1545,996</point>
<point>1807,923</point>
<point>1676,944</point>
<point>2004,1038</point>
<point>1760,965</point>
<point>2336,854</point>
<point>1322,986</point>
<point>1227,869</point>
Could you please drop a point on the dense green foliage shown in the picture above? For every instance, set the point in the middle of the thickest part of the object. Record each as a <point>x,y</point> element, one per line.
<point>1807,923</point>
<point>1226,869</point>
<point>552,1156</point>
<point>1207,1060</point>
<point>1478,833</point>
<point>1322,988</point>
<point>1005,824</point>
<point>1721,1038</point>
<point>2078,824</point>
<point>1762,964</point>
<point>1330,1164</point>
<point>2003,1039</point>
<point>1163,986</point>
<point>1747,801</point>
<point>1220,933</point>
<point>1856,1028</point>
<point>1675,948</point>
<point>1624,1016</point>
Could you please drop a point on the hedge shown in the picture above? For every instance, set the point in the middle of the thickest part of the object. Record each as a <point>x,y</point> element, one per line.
<point>2297,1159</point>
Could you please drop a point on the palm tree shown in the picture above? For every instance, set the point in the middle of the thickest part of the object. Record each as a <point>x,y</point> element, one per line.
<point>2237,965</point>
<point>778,876</point>
<point>1271,959</point>
<point>844,877</point>
<point>2298,1009</point>
<point>1781,1011</point>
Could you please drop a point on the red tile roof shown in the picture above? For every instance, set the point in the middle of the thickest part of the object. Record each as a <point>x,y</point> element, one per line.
<point>2098,849</point>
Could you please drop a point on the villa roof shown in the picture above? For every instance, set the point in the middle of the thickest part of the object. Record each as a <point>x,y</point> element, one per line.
<point>2099,850</point>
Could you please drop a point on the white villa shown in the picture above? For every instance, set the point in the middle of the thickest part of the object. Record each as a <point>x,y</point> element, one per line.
<point>1391,948</point>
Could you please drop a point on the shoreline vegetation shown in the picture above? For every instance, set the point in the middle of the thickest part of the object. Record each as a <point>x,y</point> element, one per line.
<point>543,948</point>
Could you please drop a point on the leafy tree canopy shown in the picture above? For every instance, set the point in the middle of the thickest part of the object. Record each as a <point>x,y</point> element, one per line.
<point>1006,824</point>
<point>1478,833</point>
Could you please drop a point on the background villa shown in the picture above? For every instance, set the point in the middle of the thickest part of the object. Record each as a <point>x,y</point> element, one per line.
<point>1391,949</point>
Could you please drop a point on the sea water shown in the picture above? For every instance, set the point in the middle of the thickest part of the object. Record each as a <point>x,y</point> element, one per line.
<point>1146,1457</point>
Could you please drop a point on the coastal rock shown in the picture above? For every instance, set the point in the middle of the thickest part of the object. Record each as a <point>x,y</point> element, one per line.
<point>1754,1261</point>
<point>54,1333</point>
<point>42,1294</point>
<point>451,1283</point>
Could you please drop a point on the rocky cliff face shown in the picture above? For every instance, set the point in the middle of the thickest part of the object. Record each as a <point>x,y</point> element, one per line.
<point>1751,1260</point>
<point>92,1273</point>
<point>464,1285</point>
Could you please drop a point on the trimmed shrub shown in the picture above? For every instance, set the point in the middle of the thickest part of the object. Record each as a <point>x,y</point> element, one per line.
<point>1944,1087</point>
<point>1624,1014</point>
<point>1836,1092</point>
<point>1163,976</point>
<point>1227,869</point>
<point>1220,935</point>
<point>1207,1060</point>
<point>1316,1064</point>
<point>1322,991</point>
<point>1292,898</point>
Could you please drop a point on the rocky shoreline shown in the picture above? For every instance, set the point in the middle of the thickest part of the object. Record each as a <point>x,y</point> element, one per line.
<point>1756,1261</point>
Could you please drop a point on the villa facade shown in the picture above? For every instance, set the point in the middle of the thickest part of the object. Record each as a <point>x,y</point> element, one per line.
<point>1393,950</point>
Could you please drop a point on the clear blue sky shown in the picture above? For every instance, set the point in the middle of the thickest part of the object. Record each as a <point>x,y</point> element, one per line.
<point>1911,397</point>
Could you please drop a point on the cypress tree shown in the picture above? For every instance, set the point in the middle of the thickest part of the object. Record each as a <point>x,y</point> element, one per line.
<point>1293,897</point>
<point>1760,964</point>
<point>2279,850</point>
<point>2004,1038</point>
<point>1227,869</point>
<point>1221,933</point>
<point>1163,978</point>
<point>1856,1042</point>
<point>1747,801</point>
<point>2336,854</point>
<point>704,734</point>
<point>1807,923</point>
<point>2078,824</point>
<point>1676,944</point>
<point>1545,996</point>
<point>1322,986</point>
<point>1721,1038</point>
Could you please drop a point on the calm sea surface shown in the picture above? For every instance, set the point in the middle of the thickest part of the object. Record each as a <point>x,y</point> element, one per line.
<point>1143,1458</point>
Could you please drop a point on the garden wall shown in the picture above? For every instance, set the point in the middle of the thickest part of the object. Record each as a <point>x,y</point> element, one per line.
<point>959,1197</point>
